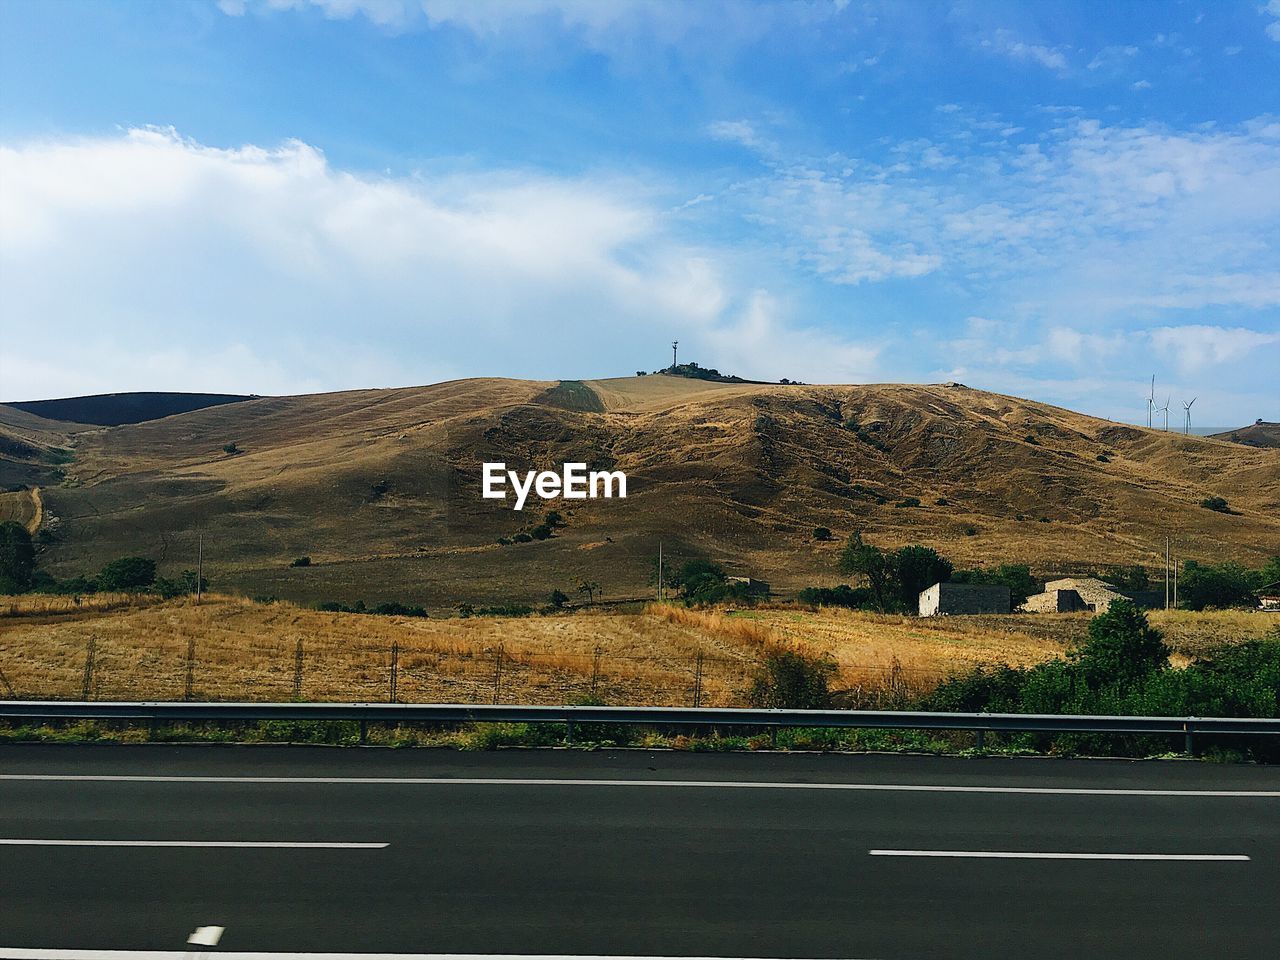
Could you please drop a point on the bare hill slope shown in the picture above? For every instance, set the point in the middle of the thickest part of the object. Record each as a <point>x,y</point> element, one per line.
<point>382,488</point>
<point>1260,434</point>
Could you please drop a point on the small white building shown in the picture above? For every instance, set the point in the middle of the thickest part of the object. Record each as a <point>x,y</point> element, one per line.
<point>947,599</point>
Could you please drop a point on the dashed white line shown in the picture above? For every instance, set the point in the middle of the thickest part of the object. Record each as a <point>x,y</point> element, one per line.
<point>250,844</point>
<point>1036,855</point>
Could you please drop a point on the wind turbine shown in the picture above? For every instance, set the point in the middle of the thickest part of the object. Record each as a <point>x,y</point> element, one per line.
<point>1165,411</point>
<point>1151,400</point>
<point>1186,420</point>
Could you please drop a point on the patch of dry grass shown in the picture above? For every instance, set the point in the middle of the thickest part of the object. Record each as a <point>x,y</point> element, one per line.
<point>248,651</point>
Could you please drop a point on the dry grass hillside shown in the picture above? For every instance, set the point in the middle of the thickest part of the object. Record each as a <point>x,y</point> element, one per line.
<point>381,489</point>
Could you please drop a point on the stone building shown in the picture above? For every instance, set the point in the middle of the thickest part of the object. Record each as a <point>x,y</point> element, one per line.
<point>1086,593</point>
<point>945,599</point>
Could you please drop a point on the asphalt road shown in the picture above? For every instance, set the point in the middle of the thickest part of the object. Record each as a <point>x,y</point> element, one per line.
<point>633,854</point>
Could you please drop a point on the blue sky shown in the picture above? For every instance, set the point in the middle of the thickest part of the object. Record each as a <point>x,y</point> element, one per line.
<point>1055,200</point>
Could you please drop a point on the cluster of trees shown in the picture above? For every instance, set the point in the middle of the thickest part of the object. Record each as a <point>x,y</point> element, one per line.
<point>542,531</point>
<point>19,573</point>
<point>895,578</point>
<point>1203,585</point>
<point>704,581</point>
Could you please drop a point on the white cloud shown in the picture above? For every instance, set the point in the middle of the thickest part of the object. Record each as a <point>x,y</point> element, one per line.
<point>156,262</point>
<point>1004,42</point>
<point>1272,9</point>
<point>1194,347</point>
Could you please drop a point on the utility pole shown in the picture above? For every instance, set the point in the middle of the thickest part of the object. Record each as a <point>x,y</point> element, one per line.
<point>659,571</point>
<point>199,566</point>
<point>674,345</point>
<point>1175,581</point>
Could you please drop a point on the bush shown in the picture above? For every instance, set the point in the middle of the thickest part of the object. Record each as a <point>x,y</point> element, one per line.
<point>522,538</point>
<point>822,534</point>
<point>17,558</point>
<point>558,599</point>
<point>1121,648</point>
<point>790,681</point>
<point>1217,504</point>
<point>541,532</point>
<point>907,502</point>
<point>300,562</point>
<point>1204,585</point>
<point>127,574</point>
<point>231,448</point>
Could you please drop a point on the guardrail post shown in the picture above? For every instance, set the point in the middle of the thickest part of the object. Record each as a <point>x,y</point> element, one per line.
<point>364,731</point>
<point>980,740</point>
<point>1189,744</point>
<point>568,731</point>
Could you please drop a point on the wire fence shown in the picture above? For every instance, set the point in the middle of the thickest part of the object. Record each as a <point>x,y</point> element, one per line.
<point>275,670</point>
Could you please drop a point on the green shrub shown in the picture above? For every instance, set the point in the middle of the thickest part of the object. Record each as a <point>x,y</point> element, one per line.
<point>1217,504</point>
<point>791,681</point>
<point>300,562</point>
<point>822,534</point>
<point>127,574</point>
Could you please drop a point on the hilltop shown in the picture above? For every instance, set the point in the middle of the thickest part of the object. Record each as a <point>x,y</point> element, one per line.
<point>114,409</point>
<point>380,488</point>
<point>1258,434</point>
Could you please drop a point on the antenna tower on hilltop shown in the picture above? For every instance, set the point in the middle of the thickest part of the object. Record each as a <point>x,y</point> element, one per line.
<point>674,345</point>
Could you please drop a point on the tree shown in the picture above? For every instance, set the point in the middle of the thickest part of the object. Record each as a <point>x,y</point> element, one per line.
<point>917,569</point>
<point>231,449</point>
<point>590,588</point>
<point>1121,648</point>
<point>1129,579</point>
<point>558,599</point>
<point>822,534</point>
<point>875,566</point>
<point>127,574</point>
<point>541,532</point>
<point>17,558</point>
<point>1204,585</point>
<point>790,681</point>
<point>1217,504</point>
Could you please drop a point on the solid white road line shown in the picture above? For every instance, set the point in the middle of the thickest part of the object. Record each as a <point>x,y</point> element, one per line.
<point>1030,855</point>
<point>19,953</point>
<point>250,844</point>
<point>699,784</point>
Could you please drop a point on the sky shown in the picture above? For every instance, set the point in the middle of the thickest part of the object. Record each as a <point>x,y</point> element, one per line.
<point>1056,200</point>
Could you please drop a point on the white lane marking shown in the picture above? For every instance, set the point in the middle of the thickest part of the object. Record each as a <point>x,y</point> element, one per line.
<point>701,784</point>
<point>1031,855</point>
<point>250,844</point>
<point>28,953</point>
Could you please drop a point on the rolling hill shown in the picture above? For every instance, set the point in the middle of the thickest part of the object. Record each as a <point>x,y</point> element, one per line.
<point>1259,434</point>
<point>381,488</point>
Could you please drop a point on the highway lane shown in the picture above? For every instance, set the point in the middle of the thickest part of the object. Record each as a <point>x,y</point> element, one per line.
<point>632,853</point>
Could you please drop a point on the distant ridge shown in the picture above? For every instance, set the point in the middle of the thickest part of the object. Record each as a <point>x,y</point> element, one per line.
<point>1259,434</point>
<point>115,409</point>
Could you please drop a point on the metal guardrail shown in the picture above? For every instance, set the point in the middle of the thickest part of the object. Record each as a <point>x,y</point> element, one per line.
<point>392,713</point>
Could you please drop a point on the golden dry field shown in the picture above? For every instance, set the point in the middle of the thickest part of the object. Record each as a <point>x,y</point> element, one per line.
<point>250,651</point>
